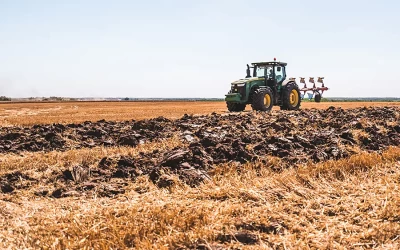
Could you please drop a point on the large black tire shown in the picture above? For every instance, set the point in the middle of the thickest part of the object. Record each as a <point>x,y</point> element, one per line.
<point>291,98</point>
<point>262,99</point>
<point>235,107</point>
<point>317,97</point>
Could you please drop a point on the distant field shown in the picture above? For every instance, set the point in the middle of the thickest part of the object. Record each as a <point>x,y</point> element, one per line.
<point>70,112</point>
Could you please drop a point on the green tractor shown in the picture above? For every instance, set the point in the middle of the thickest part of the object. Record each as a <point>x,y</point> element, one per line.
<point>267,87</point>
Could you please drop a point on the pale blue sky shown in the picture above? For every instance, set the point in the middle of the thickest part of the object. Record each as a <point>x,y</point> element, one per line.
<point>194,48</point>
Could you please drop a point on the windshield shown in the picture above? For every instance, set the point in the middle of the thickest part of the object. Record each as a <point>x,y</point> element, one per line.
<point>260,72</point>
<point>264,71</point>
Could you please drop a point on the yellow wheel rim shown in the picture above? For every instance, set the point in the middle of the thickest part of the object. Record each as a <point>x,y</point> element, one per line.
<point>267,100</point>
<point>294,98</point>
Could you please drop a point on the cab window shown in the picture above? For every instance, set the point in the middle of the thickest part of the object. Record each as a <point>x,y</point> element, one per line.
<point>279,73</point>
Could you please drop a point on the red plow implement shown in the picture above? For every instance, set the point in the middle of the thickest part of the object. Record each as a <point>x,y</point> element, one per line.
<point>314,91</point>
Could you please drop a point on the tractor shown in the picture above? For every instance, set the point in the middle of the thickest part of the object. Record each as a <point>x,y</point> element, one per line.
<point>268,86</point>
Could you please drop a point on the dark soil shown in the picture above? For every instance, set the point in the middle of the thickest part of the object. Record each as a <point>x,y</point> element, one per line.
<point>85,135</point>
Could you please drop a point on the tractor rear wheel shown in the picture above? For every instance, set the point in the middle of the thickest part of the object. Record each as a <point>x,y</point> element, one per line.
<point>291,97</point>
<point>262,99</point>
<point>317,97</point>
<point>235,107</point>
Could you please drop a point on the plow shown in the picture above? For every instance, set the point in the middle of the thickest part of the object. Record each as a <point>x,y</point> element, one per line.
<point>266,85</point>
<point>313,92</point>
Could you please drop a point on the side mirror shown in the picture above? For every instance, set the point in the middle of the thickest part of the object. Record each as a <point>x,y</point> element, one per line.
<point>279,69</point>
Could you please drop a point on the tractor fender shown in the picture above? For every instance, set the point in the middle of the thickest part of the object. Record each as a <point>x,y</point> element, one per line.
<point>285,82</point>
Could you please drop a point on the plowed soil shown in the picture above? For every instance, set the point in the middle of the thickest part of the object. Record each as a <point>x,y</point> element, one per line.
<point>294,138</point>
<point>155,176</point>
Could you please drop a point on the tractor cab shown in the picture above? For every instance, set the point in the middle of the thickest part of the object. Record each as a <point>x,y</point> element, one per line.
<point>271,71</point>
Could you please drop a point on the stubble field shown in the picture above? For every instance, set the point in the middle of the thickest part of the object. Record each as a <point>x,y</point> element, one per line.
<point>189,175</point>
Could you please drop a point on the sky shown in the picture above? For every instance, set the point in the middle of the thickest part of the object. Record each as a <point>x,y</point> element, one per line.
<point>181,48</point>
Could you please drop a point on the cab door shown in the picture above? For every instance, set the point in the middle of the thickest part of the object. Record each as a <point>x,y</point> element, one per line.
<point>280,74</point>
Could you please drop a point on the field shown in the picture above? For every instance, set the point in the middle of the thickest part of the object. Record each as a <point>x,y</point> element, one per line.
<point>69,112</point>
<point>189,175</point>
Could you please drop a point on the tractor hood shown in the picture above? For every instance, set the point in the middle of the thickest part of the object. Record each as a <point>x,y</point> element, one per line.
<point>247,80</point>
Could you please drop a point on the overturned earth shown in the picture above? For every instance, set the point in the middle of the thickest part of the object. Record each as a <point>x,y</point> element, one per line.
<point>294,137</point>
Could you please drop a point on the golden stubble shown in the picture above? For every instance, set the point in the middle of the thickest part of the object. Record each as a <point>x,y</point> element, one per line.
<point>349,203</point>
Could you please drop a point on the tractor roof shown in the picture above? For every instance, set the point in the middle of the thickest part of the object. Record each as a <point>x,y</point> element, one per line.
<point>269,64</point>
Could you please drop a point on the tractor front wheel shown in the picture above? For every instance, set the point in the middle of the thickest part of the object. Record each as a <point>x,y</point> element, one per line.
<point>262,99</point>
<point>291,97</point>
<point>235,107</point>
